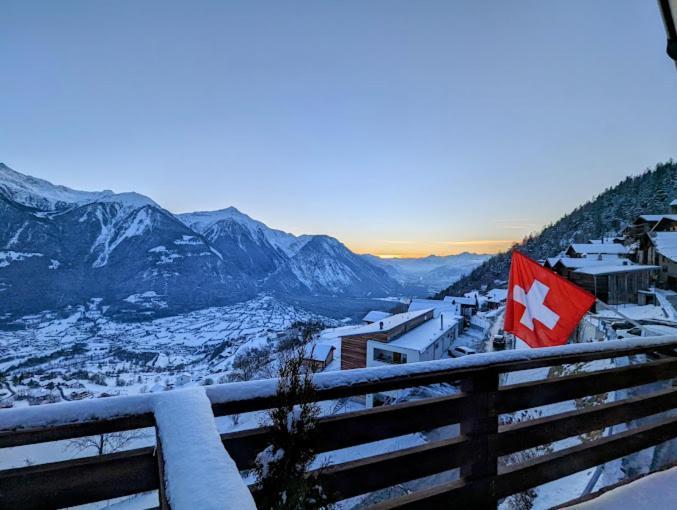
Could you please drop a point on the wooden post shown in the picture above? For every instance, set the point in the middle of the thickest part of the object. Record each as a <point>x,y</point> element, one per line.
<point>482,426</point>
<point>162,494</point>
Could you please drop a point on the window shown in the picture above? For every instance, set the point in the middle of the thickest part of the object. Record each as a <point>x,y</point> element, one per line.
<point>394,358</point>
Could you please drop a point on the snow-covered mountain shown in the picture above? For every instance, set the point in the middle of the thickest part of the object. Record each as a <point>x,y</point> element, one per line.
<point>61,247</point>
<point>315,264</point>
<point>432,272</point>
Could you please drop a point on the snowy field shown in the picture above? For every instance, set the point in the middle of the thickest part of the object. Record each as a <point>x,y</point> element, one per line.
<point>85,354</point>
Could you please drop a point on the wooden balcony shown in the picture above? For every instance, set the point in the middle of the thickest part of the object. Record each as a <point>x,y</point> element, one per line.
<point>477,407</point>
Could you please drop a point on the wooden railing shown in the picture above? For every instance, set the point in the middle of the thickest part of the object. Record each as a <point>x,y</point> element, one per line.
<point>477,450</point>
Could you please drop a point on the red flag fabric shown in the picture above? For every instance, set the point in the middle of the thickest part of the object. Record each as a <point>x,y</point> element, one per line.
<point>542,307</point>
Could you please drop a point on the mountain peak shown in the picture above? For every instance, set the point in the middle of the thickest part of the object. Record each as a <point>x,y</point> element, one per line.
<point>41,194</point>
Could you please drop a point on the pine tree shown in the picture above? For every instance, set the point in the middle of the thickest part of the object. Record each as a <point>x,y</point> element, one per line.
<point>282,468</point>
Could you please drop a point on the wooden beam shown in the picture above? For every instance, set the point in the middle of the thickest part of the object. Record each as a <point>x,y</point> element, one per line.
<point>76,482</point>
<point>364,426</point>
<point>539,393</point>
<point>81,429</point>
<point>528,434</point>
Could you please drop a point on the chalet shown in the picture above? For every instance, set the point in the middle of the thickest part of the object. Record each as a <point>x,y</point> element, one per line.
<point>354,344</point>
<point>375,316</point>
<point>668,223</point>
<point>469,305</point>
<point>318,356</point>
<point>614,284</point>
<point>42,396</point>
<point>673,206</point>
<point>578,250</point>
<point>660,249</point>
<point>642,224</point>
<point>564,266</point>
<point>496,298</point>
<point>439,306</point>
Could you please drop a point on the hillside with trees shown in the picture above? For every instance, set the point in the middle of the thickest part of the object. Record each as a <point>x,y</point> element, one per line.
<point>605,215</point>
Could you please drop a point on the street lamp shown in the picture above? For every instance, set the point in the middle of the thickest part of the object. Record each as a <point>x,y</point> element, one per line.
<point>669,11</point>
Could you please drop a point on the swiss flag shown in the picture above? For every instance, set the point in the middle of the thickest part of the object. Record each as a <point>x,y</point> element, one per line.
<point>542,307</point>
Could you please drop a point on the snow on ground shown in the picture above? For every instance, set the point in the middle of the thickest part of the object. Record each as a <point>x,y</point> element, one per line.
<point>658,490</point>
<point>635,312</point>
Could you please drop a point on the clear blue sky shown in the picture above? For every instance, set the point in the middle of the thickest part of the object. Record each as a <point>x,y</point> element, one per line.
<point>400,127</point>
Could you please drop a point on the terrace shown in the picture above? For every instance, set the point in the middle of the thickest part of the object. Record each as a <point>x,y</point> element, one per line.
<point>189,468</point>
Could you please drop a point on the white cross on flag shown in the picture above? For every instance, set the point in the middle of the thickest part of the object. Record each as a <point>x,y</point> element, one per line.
<point>542,308</point>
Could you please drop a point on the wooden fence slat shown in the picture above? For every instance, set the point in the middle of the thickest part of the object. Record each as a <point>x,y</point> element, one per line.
<point>22,437</point>
<point>360,476</point>
<point>528,434</point>
<point>359,427</point>
<point>79,481</point>
<point>539,393</point>
<point>517,478</point>
<point>540,470</point>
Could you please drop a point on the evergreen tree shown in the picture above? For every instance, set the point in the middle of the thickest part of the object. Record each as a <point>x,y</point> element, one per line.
<point>282,468</point>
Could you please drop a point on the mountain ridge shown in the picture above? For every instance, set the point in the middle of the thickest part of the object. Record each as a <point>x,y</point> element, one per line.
<point>59,247</point>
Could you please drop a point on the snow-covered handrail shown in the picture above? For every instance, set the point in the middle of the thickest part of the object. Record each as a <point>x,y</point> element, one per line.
<point>66,413</point>
<point>197,470</point>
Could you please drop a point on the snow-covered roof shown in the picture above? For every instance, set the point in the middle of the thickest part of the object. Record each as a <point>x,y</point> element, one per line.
<point>438,305</point>
<point>602,270</point>
<point>597,248</point>
<point>650,218</point>
<point>317,352</point>
<point>421,337</point>
<point>674,202</point>
<point>575,263</point>
<point>552,261</point>
<point>498,294</point>
<point>461,300</point>
<point>666,244</point>
<point>376,315</point>
<point>388,323</point>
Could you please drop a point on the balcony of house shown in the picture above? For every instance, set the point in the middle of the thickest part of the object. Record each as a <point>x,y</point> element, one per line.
<point>192,465</point>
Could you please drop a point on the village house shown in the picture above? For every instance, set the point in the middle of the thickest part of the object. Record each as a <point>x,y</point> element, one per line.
<point>496,298</point>
<point>642,224</point>
<point>615,284</point>
<point>564,266</point>
<point>468,305</point>
<point>660,249</point>
<point>438,306</point>
<point>318,356</point>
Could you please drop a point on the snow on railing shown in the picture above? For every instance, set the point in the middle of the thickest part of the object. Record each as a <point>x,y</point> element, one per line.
<point>198,472</point>
<point>64,413</point>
